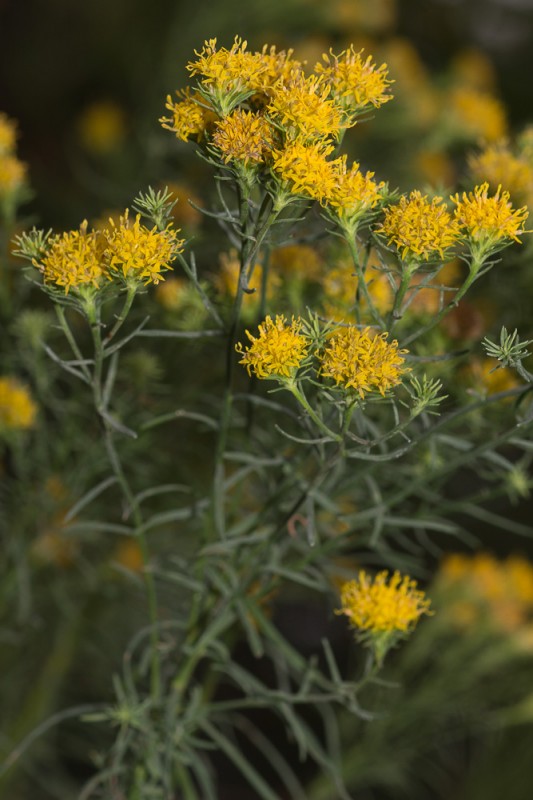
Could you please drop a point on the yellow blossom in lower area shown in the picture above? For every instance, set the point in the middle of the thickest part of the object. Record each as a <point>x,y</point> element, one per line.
<point>476,115</point>
<point>355,82</point>
<point>12,175</point>
<point>73,259</point>
<point>485,220</point>
<point>498,166</point>
<point>139,252</point>
<point>382,610</point>
<point>8,135</point>
<point>362,360</point>
<point>352,194</point>
<point>17,409</point>
<point>278,351</point>
<point>245,137</point>
<point>420,228</point>
<point>306,169</point>
<point>190,117</point>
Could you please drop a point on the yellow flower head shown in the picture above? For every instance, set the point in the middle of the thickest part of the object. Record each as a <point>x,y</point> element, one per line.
<point>355,82</point>
<point>497,165</point>
<point>362,360</point>
<point>244,137</point>
<point>382,605</point>
<point>17,409</point>
<point>74,259</point>
<point>303,108</point>
<point>420,228</point>
<point>140,252</point>
<point>352,194</point>
<point>278,351</point>
<point>8,135</point>
<point>12,174</point>
<point>273,67</point>
<point>306,169</point>
<point>226,75</point>
<point>190,117</point>
<point>488,220</point>
<point>477,115</point>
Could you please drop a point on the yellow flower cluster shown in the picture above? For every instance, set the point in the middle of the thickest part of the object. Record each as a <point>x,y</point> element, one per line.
<point>244,136</point>
<point>420,228</point>
<point>487,220</point>
<point>17,409</point>
<point>362,360</point>
<point>352,194</point>
<point>381,605</point>
<point>278,351</point>
<point>83,258</point>
<point>12,171</point>
<point>260,108</point>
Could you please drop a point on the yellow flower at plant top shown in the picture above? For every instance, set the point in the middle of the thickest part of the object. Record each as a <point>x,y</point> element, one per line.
<point>139,252</point>
<point>190,117</point>
<point>278,351</point>
<point>244,136</point>
<point>362,360</point>
<point>273,66</point>
<point>420,228</point>
<point>486,221</point>
<point>352,194</point>
<point>382,610</point>
<point>17,409</point>
<point>74,259</point>
<point>355,82</point>
<point>12,175</point>
<point>226,76</point>
<point>476,115</point>
<point>306,169</point>
<point>304,109</point>
<point>8,135</point>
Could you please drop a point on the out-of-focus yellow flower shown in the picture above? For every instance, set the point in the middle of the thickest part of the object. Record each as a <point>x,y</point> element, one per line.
<point>362,360</point>
<point>476,115</point>
<point>420,228</point>
<point>128,554</point>
<point>436,167</point>
<point>370,16</point>
<point>184,214</point>
<point>102,126</point>
<point>54,546</point>
<point>170,293</point>
<point>497,592</point>
<point>499,166</point>
<point>226,280</point>
<point>17,408</point>
<point>12,175</point>
<point>138,252</point>
<point>340,290</point>
<point>470,67</point>
<point>487,376</point>
<point>278,351</point>
<point>298,260</point>
<point>8,135</point>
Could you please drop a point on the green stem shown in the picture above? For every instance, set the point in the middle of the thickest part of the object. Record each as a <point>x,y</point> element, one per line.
<point>302,399</point>
<point>130,295</point>
<point>362,285</point>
